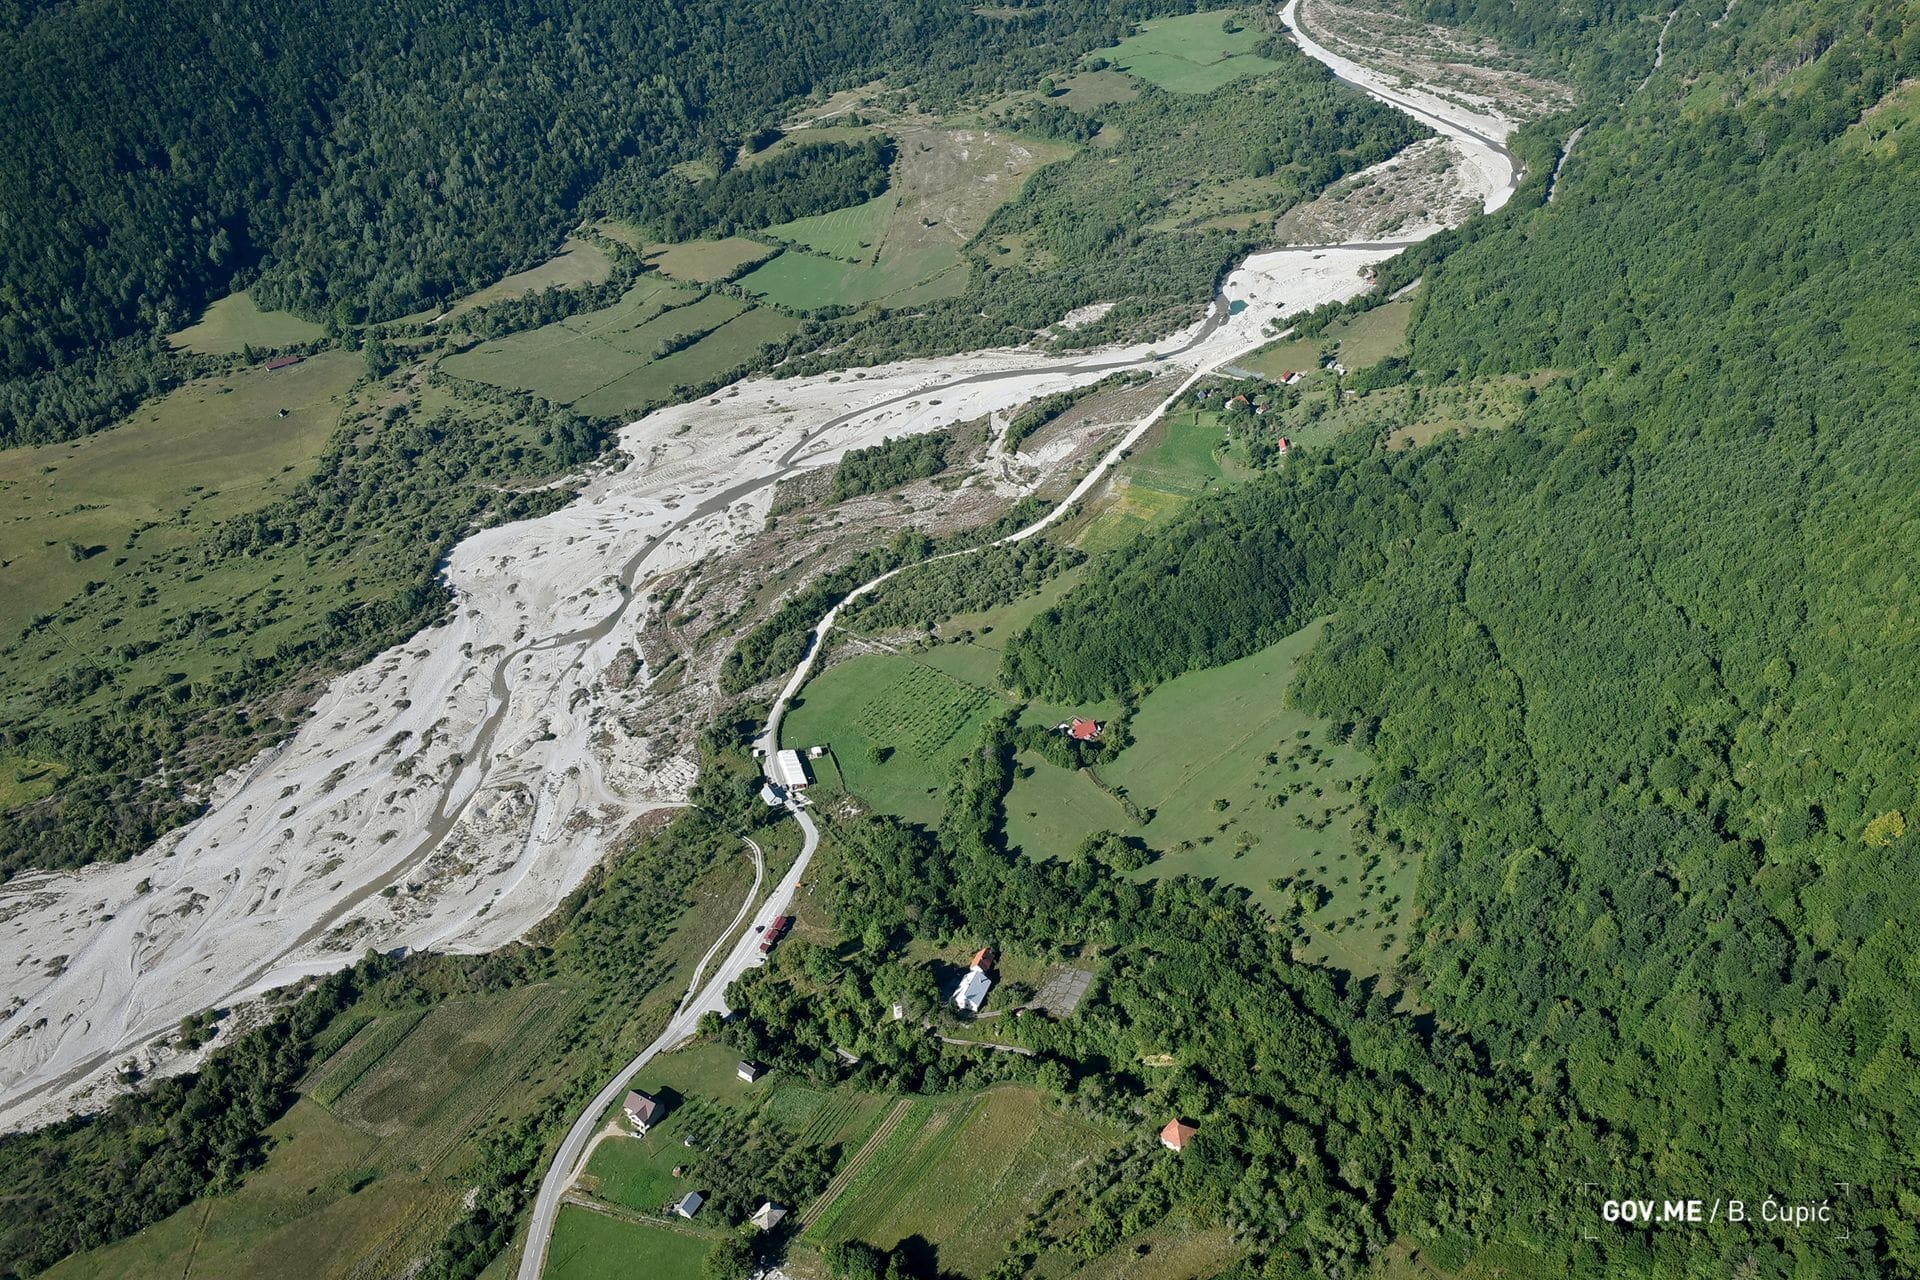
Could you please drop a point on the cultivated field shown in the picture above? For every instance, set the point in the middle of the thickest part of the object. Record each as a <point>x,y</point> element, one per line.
<point>1194,53</point>
<point>596,1246</point>
<point>89,509</point>
<point>852,234</point>
<point>922,718</point>
<point>227,327</point>
<point>965,1176</point>
<point>614,361</point>
<point>904,247</point>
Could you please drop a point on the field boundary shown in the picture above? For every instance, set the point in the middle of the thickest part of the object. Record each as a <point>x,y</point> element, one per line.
<point>861,1159</point>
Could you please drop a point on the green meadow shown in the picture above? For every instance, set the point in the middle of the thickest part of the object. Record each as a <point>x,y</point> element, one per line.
<point>229,326</point>
<point>1194,53</point>
<point>91,508</point>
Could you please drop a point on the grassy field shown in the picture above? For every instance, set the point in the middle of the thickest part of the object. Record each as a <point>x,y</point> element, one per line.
<point>80,511</point>
<point>904,247</point>
<point>608,362</point>
<point>704,261</point>
<point>1194,53</point>
<point>24,779</point>
<point>1087,90</point>
<point>227,327</point>
<point>1358,341</point>
<point>1235,785</point>
<point>594,1246</point>
<point>579,262</point>
<point>923,717</point>
<point>851,235</point>
<point>1165,1252</point>
<point>967,1177</point>
<point>1179,459</point>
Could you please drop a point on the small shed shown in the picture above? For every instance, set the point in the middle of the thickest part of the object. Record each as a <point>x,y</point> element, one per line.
<point>689,1204</point>
<point>1178,1134</point>
<point>749,1071</point>
<point>768,1216</point>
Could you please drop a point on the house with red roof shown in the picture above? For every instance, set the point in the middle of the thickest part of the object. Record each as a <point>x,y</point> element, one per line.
<point>1083,730</point>
<point>1178,1134</point>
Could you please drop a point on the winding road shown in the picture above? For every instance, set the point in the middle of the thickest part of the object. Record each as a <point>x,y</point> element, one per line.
<point>1471,134</point>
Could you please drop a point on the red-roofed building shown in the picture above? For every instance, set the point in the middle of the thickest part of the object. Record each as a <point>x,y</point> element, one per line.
<point>1083,730</point>
<point>1178,1134</point>
<point>1285,445</point>
<point>983,959</point>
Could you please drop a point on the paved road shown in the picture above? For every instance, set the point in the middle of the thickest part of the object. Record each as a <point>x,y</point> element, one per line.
<point>745,955</point>
<point>567,1161</point>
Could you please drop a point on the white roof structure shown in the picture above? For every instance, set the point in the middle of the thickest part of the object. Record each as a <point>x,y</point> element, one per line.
<point>973,991</point>
<point>788,770</point>
<point>689,1204</point>
<point>768,1216</point>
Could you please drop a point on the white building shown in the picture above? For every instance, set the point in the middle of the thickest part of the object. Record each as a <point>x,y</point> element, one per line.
<point>789,770</point>
<point>973,991</point>
<point>689,1204</point>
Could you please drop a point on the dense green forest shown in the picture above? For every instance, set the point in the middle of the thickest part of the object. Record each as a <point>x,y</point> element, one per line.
<point>793,183</point>
<point>367,160</point>
<point>1637,670</point>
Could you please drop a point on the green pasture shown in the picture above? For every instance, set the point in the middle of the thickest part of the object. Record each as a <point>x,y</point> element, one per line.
<point>1167,1251</point>
<point>1358,341</point>
<point>1179,459</point>
<point>967,1177</point>
<point>1193,53</point>
<point>316,1209</point>
<point>851,235</point>
<point>87,509</point>
<point>721,352</point>
<point>704,261</point>
<point>229,326</point>
<point>596,1246</point>
<point>806,281</point>
<point>579,262</point>
<point>1087,90</point>
<point>608,362</point>
<point>924,717</point>
<point>1231,783</point>
<point>24,779</point>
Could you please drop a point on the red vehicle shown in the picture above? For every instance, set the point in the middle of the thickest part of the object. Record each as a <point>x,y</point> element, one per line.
<point>775,931</point>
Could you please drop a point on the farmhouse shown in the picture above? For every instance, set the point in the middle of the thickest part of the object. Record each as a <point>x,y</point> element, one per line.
<point>788,770</point>
<point>768,1216</point>
<point>973,991</point>
<point>1177,1134</point>
<point>749,1071</point>
<point>643,1112</point>
<point>1290,377</point>
<point>1083,730</point>
<point>689,1204</point>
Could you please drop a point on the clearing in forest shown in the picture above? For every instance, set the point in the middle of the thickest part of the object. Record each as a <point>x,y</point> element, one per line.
<point>1194,53</point>
<point>229,326</point>
<point>93,508</point>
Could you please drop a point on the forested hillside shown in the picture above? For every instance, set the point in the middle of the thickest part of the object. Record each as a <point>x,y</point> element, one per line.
<point>365,160</point>
<point>1638,670</point>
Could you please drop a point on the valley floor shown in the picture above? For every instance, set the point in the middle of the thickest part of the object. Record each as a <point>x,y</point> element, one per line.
<point>451,792</point>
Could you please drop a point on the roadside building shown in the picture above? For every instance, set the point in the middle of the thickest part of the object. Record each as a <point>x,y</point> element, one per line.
<point>789,771</point>
<point>689,1204</point>
<point>768,1216</point>
<point>643,1112</point>
<point>770,796</point>
<point>1178,1134</point>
